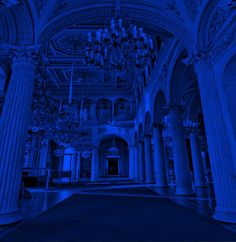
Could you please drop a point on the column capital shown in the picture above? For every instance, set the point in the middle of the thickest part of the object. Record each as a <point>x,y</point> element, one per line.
<point>24,54</point>
<point>147,136</point>
<point>158,126</point>
<point>9,3</point>
<point>174,108</point>
<point>140,142</point>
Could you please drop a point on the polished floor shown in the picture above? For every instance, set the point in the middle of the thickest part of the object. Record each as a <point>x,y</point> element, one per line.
<point>196,208</point>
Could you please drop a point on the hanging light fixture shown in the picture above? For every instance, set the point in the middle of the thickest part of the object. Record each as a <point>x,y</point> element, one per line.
<point>68,128</point>
<point>113,152</point>
<point>116,48</point>
<point>44,105</point>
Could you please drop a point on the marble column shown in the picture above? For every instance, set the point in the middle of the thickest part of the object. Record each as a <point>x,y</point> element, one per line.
<point>73,165</point>
<point>44,155</point>
<point>131,161</point>
<point>13,132</point>
<point>136,168</point>
<point>148,158</point>
<point>204,161</point>
<point>94,111</point>
<point>94,169</point>
<point>198,167</point>
<point>159,157</point>
<point>78,166</point>
<point>219,147</point>
<point>141,161</point>
<point>34,157</point>
<point>180,153</point>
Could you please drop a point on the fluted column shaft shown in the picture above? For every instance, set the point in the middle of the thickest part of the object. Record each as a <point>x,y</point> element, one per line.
<point>141,161</point>
<point>34,159</point>
<point>73,165</point>
<point>78,166</point>
<point>131,162</point>
<point>94,170</point>
<point>159,157</point>
<point>219,147</point>
<point>198,167</point>
<point>13,132</point>
<point>136,164</point>
<point>94,111</point>
<point>148,159</point>
<point>43,154</point>
<point>181,162</point>
<point>204,161</point>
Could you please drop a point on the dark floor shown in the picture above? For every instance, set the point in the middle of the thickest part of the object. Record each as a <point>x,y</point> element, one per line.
<point>133,213</point>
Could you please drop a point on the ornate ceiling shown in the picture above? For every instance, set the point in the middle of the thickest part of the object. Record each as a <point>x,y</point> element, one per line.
<point>60,49</point>
<point>54,23</point>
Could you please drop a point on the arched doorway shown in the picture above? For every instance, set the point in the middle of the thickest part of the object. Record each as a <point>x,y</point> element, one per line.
<point>113,158</point>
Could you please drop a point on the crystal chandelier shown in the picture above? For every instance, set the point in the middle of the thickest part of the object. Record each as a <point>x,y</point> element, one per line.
<point>116,48</point>
<point>113,151</point>
<point>191,126</point>
<point>68,128</point>
<point>44,108</point>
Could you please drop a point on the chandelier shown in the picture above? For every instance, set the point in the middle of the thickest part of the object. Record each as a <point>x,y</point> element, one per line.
<point>113,152</point>
<point>68,129</point>
<point>116,48</point>
<point>44,108</point>
<point>190,126</point>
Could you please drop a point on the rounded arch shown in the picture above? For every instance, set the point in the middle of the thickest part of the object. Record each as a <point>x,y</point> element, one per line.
<point>104,110</point>
<point>121,106</point>
<point>149,15</point>
<point>183,80</point>
<point>113,153</point>
<point>24,23</point>
<point>148,123</point>
<point>159,104</point>
<point>112,134</point>
<point>203,22</point>
<point>212,18</point>
<point>229,83</point>
<point>194,108</point>
<point>8,28</point>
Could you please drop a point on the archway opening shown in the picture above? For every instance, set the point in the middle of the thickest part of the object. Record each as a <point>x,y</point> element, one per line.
<point>113,158</point>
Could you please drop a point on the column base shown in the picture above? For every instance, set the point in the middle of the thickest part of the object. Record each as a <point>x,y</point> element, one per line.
<point>9,217</point>
<point>224,215</point>
<point>161,185</point>
<point>184,191</point>
<point>149,182</point>
<point>200,184</point>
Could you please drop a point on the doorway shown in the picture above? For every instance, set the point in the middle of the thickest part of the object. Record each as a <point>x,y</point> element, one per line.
<point>113,166</point>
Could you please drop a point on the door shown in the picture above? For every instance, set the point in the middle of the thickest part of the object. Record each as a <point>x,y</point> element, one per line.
<point>113,167</point>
